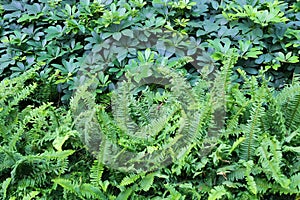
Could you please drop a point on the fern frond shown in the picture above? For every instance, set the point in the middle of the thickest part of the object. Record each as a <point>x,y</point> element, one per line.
<point>292,136</point>
<point>251,131</point>
<point>232,124</point>
<point>295,180</point>
<point>129,179</point>
<point>289,99</point>
<point>96,172</point>
<point>262,185</point>
<point>293,112</point>
<point>292,149</point>
<point>270,160</point>
<point>31,195</point>
<point>274,121</point>
<point>147,181</point>
<point>277,188</point>
<point>83,191</point>
<point>250,179</point>
<point>236,174</point>
<point>124,195</point>
<point>5,185</point>
<point>236,144</point>
<point>91,192</point>
<point>217,192</point>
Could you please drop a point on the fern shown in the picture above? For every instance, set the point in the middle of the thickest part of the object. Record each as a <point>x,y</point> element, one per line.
<point>250,180</point>
<point>124,134</point>
<point>31,195</point>
<point>5,185</point>
<point>147,181</point>
<point>124,195</point>
<point>232,124</point>
<point>295,180</point>
<point>28,138</point>
<point>96,172</point>
<point>262,185</point>
<point>293,112</point>
<point>129,179</point>
<point>251,131</point>
<point>274,120</point>
<point>217,192</point>
<point>270,159</point>
<point>289,99</point>
<point>83,191</point>
<point>236,174</point>
<point>174,194</point>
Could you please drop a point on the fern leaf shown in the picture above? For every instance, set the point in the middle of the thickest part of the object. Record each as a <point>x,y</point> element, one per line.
<point>67,184</point>
<point>289,99</point>
<point>274,121</point>
<point>31,195</point>
<point>91,192</point>
<point>174,194</point>
<point>96,172</point>
<point>130,179</point>
<point>293,112</point>
<point>251,131</point>
<point>292,149</point>
<point>236,174</point>
<point>292,135</point>
<point>262,185</point>
<point>5,185</point>
<point>295,181</point>
<point>83,191</point>
<point>250,180</point>
<point>147,182</point>
<point>217,193</point>
<point>55,155</point>
<point>236,144</point>
<point>124,195</point>
<point>270,159</point>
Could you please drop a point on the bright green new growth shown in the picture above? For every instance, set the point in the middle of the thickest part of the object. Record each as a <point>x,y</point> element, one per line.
<point>249,160</point>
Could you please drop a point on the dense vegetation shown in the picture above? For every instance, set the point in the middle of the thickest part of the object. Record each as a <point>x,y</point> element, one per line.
<point>149,99</point>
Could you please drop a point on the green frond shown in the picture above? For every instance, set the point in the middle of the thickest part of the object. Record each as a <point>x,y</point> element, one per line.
<point>289,99</point>
<point>251,132</point>
<point>262,185</point>
<point>129,179</point>
<point>89,191</point>
<point>270,160</point>
<point>147,181</point>
<point>250,179</point>
<point>274,121</point>
<point>236,144</point>
<point>218,192</point>
<point>292,149</point>
<point>174,194</point>
<point>295,180</point>
<point>5,185</point>
<point>232,124</point>
<point>292,136</point>
<point>236,174</point>
<point>124,195</point>
<point>31,195</point>
<point>121,100</point>
<point>96,172</point>
<point>278,189</point>
<point>83,191</point>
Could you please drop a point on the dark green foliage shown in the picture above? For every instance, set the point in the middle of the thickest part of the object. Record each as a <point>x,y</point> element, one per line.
<point>55,34</point>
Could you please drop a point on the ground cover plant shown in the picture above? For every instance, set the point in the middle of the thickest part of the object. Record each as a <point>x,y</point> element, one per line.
<point>50,148</point>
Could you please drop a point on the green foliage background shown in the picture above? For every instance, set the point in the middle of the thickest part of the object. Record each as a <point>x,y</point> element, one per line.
<point>255,45</point>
